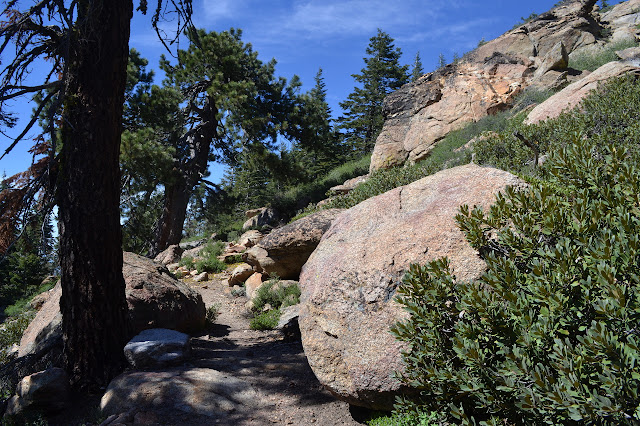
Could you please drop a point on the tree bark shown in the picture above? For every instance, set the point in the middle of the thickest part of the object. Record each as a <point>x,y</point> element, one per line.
<point>94,309</point>
<point>188,174</point>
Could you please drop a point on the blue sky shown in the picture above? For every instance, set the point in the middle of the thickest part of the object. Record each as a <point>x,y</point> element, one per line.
<point>305,35</point>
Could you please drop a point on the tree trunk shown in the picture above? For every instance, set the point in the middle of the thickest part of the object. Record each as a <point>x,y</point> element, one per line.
<point>188,174</point>
<point>94,309</point>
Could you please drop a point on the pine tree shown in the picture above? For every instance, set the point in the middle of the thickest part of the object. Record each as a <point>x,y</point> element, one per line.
<point>318,146</point>
<point>417,71</point>
<point>442,61</point>
<point>362,120</point>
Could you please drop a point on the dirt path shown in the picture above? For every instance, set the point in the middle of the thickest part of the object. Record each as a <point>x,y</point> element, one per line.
<point>276,368</point>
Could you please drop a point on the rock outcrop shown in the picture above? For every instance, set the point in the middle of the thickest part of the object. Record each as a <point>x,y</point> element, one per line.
<point>286,249</point>
<point>486,81</point>
<point>348,283</point>
<point>569,97</point>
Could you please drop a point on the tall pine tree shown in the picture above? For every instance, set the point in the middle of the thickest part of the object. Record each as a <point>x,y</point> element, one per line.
<point>362,120</point>
<point>417,70</point>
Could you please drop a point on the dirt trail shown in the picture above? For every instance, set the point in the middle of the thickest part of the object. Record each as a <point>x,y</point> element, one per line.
<point>276,368</point>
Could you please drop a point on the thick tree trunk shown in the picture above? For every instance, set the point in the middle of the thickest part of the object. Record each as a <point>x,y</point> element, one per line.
<point>188,174</point>
<point>93,304</point>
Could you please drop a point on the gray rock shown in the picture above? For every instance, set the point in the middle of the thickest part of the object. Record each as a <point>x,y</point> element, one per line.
<point>288,323</point>
<point>157,347</point>
<point>192,390</point>
<point>46,392</point>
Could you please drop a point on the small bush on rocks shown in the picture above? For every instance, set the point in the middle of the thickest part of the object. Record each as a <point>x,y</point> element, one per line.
<point>272,293</point>
<point>265,320</point>
<point>549,334</point>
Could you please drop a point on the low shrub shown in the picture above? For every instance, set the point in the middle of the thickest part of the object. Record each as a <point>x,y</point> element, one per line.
<point>11,332</point>
<point>274,294</point>
<point>210,264</point>
<point>404,419</point>
<point>265,320</point>
<point>187,262</point>
<point>593,61</point>
<point>549,333</point>
<point>610,113</point>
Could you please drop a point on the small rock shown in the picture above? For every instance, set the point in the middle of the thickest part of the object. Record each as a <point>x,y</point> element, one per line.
<point>201,277</point>
<point>240,274</point>
<point>171,255</point>
<point>157,347</point>
<point>288,323</point>
<point>267,307</point>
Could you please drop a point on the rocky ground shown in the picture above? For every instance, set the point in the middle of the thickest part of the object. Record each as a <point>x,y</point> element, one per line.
<point>288,393</point>
<point>277,369</point>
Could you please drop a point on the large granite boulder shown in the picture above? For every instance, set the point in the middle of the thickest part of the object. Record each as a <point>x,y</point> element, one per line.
<point>486,81</point>
<point>349,282</point>
<point>569,97</point>
<point>154,297</point>
<point>286,249</point>
<point>157,300</point>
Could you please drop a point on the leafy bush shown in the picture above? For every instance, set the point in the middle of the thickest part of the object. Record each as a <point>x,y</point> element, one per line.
<point>265,320</point>
<point>187,262</point>
<point>593,61</point>
<point>610,113</point>
<point>276,295</point>
<point>210,264</point>
<point>11,332</point>
<point>404,419</point>
<point>549,334</point>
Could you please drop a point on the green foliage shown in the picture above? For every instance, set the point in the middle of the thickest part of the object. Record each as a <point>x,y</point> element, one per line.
<point>187,262</point>
<point>592,61</point>
<point>11,332</point>
<point>276,295</point>
<point>610,113</point>
<point>362,120</point>
<point>548,334</point>
<point>404,419</point>
<point>265,320</point>
<point>417,71</point>
<point>210,261</point>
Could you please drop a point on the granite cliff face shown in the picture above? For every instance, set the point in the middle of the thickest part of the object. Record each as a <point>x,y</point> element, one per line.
<point>488,79</point>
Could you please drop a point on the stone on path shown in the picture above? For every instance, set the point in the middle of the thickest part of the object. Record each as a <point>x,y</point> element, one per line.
<point>157,347</point>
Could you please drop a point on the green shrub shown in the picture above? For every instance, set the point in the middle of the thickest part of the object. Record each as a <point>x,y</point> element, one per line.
<point>549,334</point>
<point>210,264</point>
<point>593,61</point>
<point>276,295</point>
<point>187,262</point>
<point>265,320</point>
<point>404,419</point>
<point>610,113</point>
<point>11,332</point>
